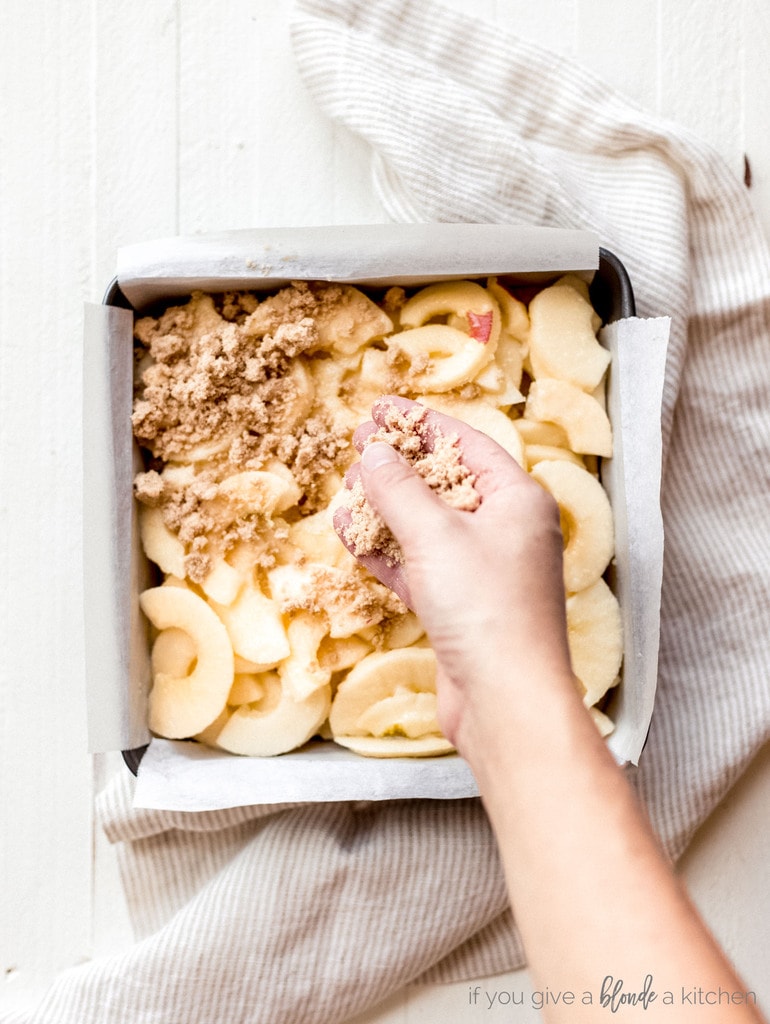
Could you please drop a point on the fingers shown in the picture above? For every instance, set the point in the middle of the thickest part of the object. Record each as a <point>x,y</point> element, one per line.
<point>393,576</point>
<point>404,501</point>
<point>492,465</point>
<point>399,494</point>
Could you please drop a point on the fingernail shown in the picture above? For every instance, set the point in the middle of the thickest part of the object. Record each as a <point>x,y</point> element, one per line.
<point>377,454</point>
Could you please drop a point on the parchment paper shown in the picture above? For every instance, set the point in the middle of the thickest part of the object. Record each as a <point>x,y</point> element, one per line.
<point>185,776</point>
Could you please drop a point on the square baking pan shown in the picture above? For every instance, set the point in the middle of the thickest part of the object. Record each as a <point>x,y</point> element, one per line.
<point>178,775</point>
<point>612,296</point>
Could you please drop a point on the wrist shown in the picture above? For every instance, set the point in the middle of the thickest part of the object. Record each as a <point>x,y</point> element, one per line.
<point>522,724</point>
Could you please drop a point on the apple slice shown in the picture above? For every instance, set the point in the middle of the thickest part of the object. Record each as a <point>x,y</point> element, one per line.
<point>301,672</point>
<point>246,689</point>
<point>515,318</point>
<point>404,713</point>
<point>173,653</point>
<point>181,706</point>
<point>354,321</point>
<point>603,722</point>
<point>595,635</point>
<point>586,518</point>
<point>160,544</point>
<point>562,338</point>
<point>255,627</point>
<point>259,491</point>
<point>464,300</point>
<point>539,432</point>
<point>581,417</point>
<point>396,746</point>
<point>379,677</point>
<point>542,452</point>
<point>441,357</point>
<point>223,582</point>
<point>272,725</point>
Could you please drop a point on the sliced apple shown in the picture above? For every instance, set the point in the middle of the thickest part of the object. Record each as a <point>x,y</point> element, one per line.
<point>351,323</point>
<point>515,318</point>
<point>161,545</point>
<point>542,452</point>
<point>376,678</point>
<point>603,722</point>
<point>562,338</point>
<point>255,627</point>
<point>396,746</point>
<point>173,653</point>
<point>302,672</point>
<point>595,634</point>
<point>272,725</point>
<point>586,518</point>
<point>539,432</point>
<point>581,417</point>
<point>246,689</point>
<point>181,706</point>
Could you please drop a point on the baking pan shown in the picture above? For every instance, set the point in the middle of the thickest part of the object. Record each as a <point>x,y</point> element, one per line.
<point>611,295</point>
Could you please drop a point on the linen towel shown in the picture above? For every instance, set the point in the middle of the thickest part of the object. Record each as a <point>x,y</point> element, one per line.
<point>313,913</point>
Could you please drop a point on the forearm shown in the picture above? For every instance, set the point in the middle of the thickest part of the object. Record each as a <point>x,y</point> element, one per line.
<point>592,892</point>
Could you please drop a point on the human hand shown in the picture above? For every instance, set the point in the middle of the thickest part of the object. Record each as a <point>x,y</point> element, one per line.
<point>487,585</point>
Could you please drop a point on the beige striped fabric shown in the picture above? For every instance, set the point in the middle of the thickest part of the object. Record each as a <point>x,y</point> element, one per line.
<point>313,913</point>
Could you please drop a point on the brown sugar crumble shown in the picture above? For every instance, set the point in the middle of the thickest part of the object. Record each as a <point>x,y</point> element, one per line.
<point>223,386</point>
<point>432,454</point>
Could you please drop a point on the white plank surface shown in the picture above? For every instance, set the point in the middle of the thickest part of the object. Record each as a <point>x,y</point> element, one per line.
<point>46,216</point>
<point>124,121</point>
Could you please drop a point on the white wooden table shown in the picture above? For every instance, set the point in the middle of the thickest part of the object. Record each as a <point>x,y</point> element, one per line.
<point>123,121</point>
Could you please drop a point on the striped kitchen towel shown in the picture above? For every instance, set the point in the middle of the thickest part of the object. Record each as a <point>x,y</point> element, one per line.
<point>295,915</point>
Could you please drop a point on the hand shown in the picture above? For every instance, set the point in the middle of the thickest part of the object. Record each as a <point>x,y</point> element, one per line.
<point>487,585</point>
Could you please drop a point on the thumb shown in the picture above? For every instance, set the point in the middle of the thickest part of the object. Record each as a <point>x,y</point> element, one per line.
<point>399,494</point>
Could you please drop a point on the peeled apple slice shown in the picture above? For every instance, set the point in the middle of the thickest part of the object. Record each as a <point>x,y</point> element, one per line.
<point>301,672</point>
<point>246,689</point>
<point>538,432</point>
<point>405,713</point>
<point>581,417</point>
<point>586,516</point>
<point>543,452</point>
<point>181,706</point>
<point>510,358</point>
<point>341,654</point>
<point>562,338</point>
<point>453,356</point>
<point>515,318</point>
<point>275,724</point>
<point>173,653</point>
<point>255,627</point>
<point>160,544</point>
<point>316,537</point>
<point>352,323</point>
<point>595,635</point>
<point>223,582</point>
<point>603,722</point>
<point>259,491</point>
<point>464,300</point>
<point>498,387</point>
<point>401,631</point>
<point>381,692</point>
<point>296,401</point>
<point>396,746</point>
